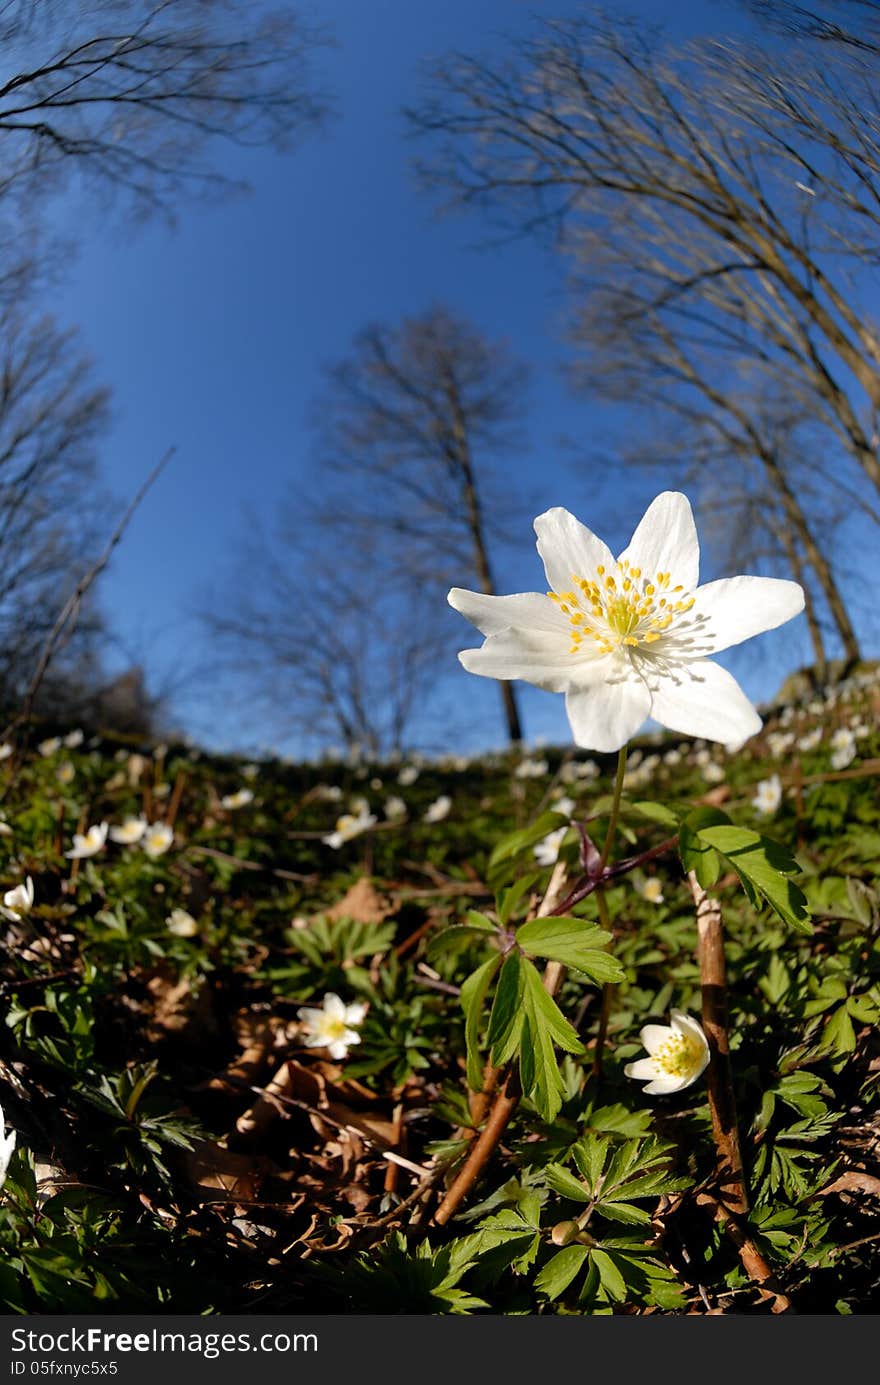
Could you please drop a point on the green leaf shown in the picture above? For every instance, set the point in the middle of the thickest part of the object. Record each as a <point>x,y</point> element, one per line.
<point>509,898</point>
<point>558,1273</point>
<point>612,1280</point>
<point>838,1036</point>
<point>565,1183</point>
<point>762,865</point>
<point>545,1025</point>
<point>655,812</point>
<point>507,1017</point>
<point>572,942</point>
<point>589,1155</point>
<point>543,1012</point>
<point>696,854</point>
<point>473,995</point>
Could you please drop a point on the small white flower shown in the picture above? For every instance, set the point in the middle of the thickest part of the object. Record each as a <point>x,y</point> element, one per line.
<point>395,808</point>
<point>65,773</point>
<point>678,1054</point>
<point>135,766</point>
<point>6,749</point>
<point>778,742</point>
<point>531,769</point>
<point>50,745</point>
<point>328,793</point>
<point>250,772</point>
<point>130,831</point>
<point>73,739</point>
<point>629,638</point>
<point>331,1026</point>
<point>181,924</point>
<point>546,851</point>
<point>810,739</point>
<point>439,809</point>
<point>350,825</point>
<point>713,773</point>
<point>88,843</point>
<point>563,804</point>
<point>7,1145</point>
<point>20,901</point>
<point>843,747</point>
<point>672,758</point>
<point>5,829</point>
<point>651,889</point>
<point>157,838</point>
<point>408,776</point>
<point>768,796</point>
<point>239,799</point>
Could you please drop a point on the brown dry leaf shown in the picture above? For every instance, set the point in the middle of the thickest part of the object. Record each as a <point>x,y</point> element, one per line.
<point>219,1174</point>
<point>178,1006</point>
<point>362,903</point>
<point>856,1181</point>
<point>715,797</point>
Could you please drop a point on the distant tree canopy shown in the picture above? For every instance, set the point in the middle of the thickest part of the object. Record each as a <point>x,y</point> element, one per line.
<point>719,205</point>
<point>411,496</point>
<point>132,94</point>
<point>129,97</point>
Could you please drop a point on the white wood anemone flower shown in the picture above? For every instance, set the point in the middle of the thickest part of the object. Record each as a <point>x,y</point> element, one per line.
<point>626,639</point>
<point>7,1145</point>
<point>331,1026</point>
<point>130,831</point>
<point>350,825</point>
<point>240,799</point>
<point>157,839</point>
<point>88,843</point>
<point>20,901</point>
<point>678,1054</point>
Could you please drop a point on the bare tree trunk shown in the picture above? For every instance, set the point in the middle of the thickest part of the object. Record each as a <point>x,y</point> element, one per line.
<point>481,556</point>
<point>816,559</point>
<point>820,659</point>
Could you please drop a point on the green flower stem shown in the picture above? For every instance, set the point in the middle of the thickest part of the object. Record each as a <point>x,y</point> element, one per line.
<point>615,806</point>
<point>604,916</point>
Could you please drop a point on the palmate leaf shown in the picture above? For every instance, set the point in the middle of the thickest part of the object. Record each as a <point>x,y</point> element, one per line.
<point>558,1273</point>
<point>572,942</point>
<point>506,1019</point>
<point>473,995</point>
<point>763,866</point>
<point>544,1026</point>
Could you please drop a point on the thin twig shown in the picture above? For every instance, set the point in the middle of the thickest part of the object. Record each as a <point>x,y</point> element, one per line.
<point>71,607</point>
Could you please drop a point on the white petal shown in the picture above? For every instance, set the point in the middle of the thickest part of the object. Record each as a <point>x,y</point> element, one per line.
<point>334,1007</point>
<point>653,1035</point>
<point>642,1069</point>
<point>706,701</point>
<point>568,548</point>
<point>738,607</point>
<point>666,540</point>
<point>351,1036</point>
<point>492,614</point>
<point>604,717</point>
<point>687,1024</point>
<point>311,1017</point>
<point>536,656</point>
<point>354,1014</point>
<point>664,1085</point>
<point>337,1049</point>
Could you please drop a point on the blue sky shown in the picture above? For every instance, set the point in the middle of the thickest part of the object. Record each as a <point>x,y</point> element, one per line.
<point>212,337</point>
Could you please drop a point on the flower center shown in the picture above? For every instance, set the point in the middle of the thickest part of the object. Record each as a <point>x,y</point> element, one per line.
<point>678,1055</point>
<point>621,608</point>
<point>333,1029</point>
